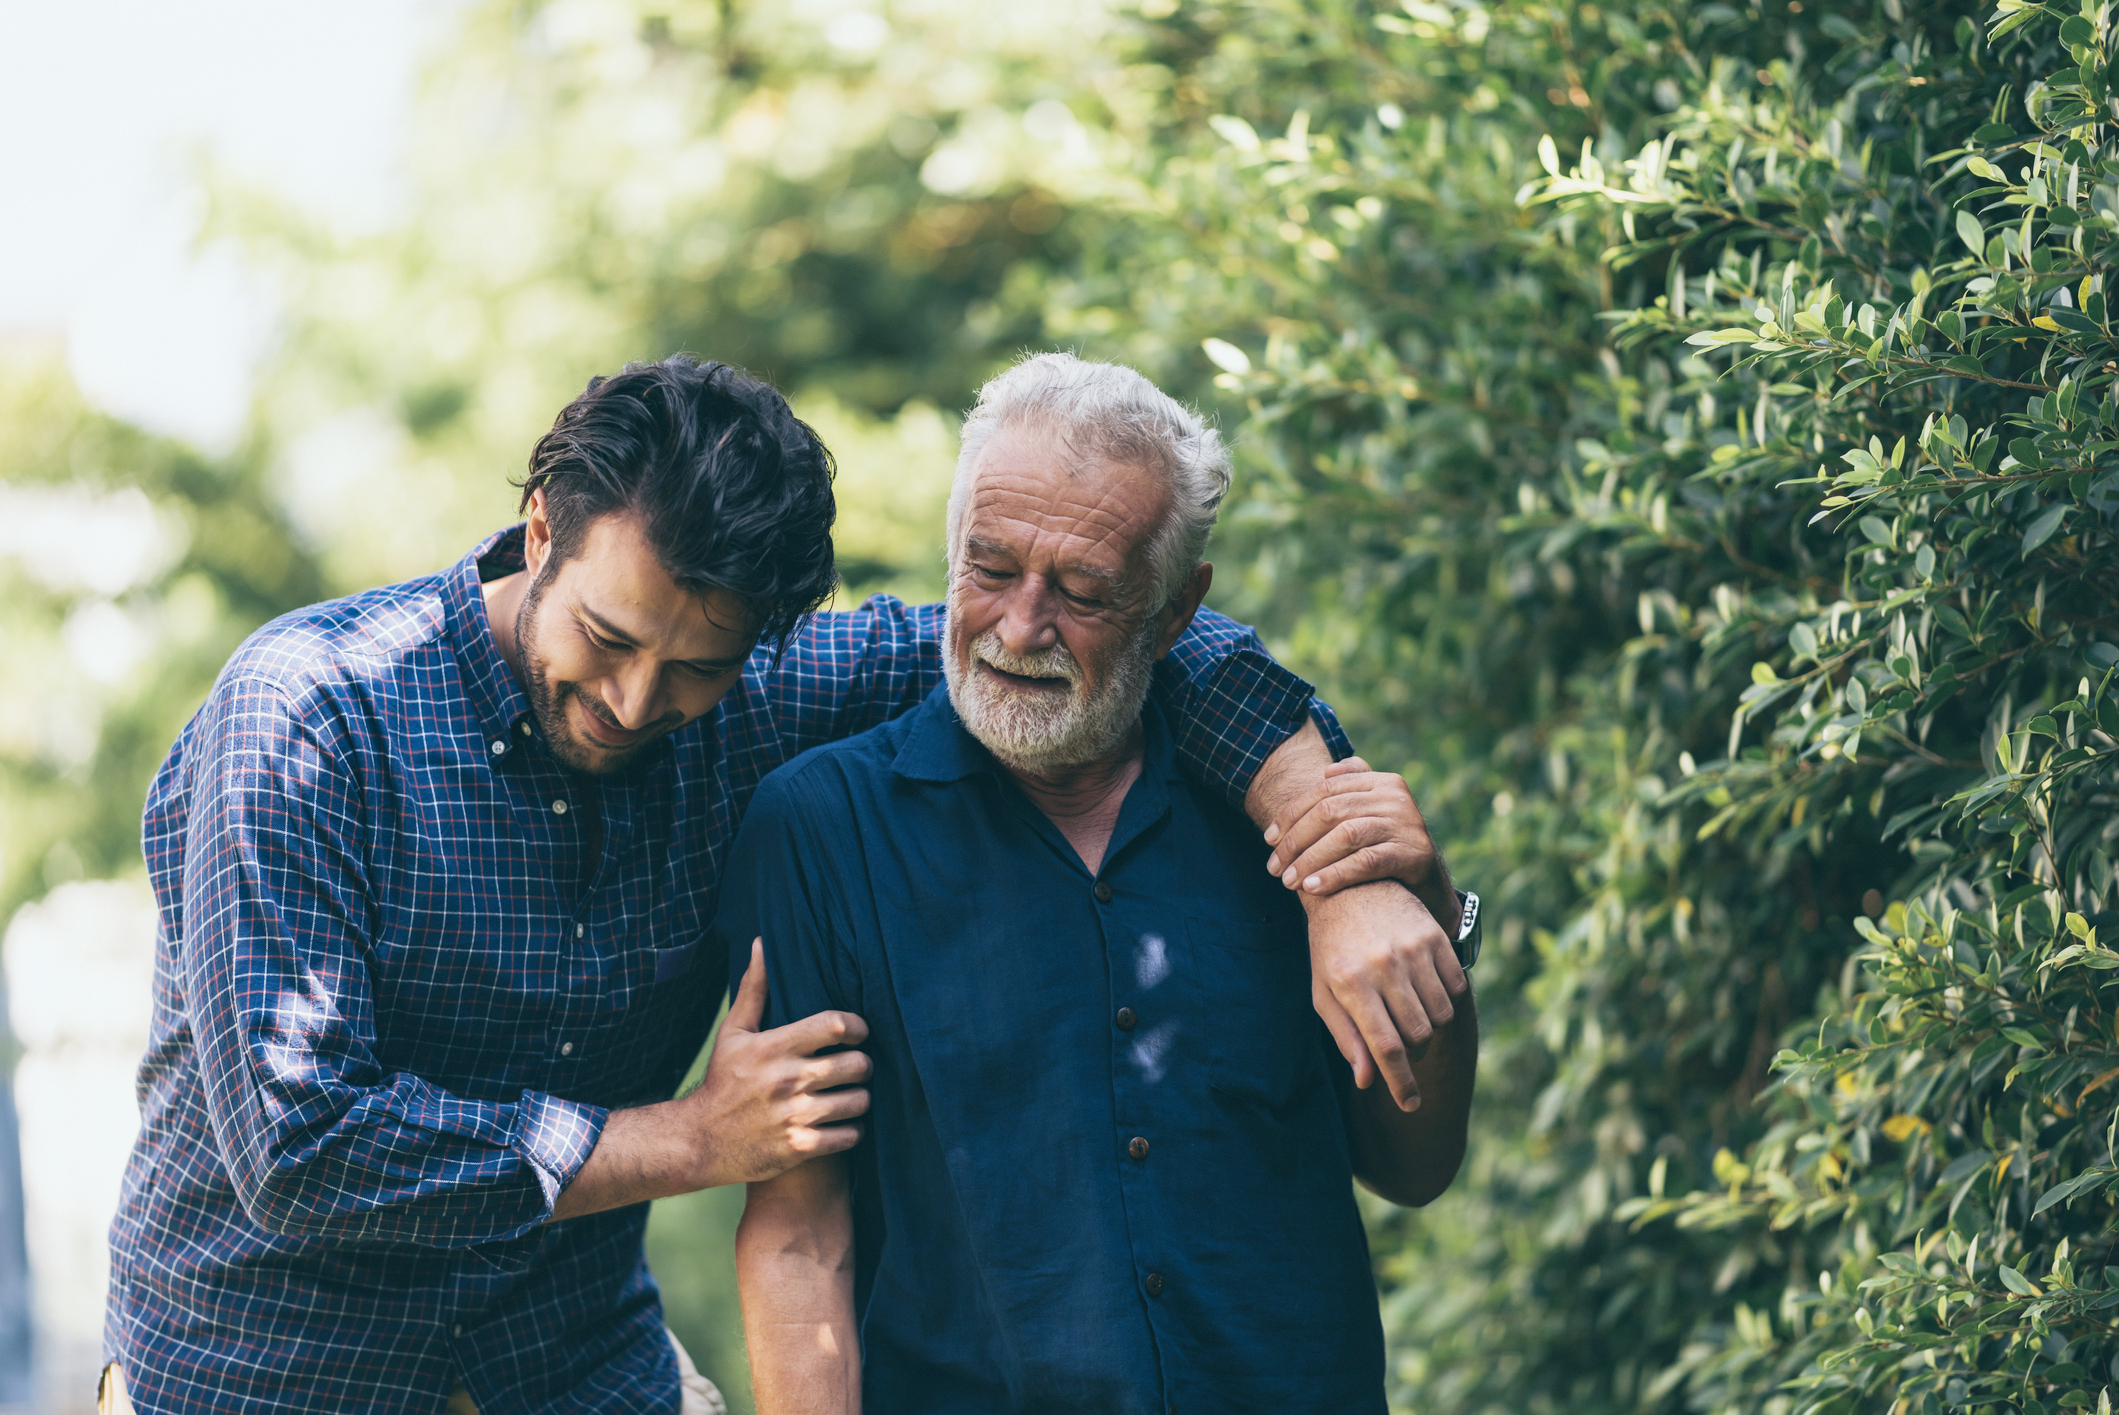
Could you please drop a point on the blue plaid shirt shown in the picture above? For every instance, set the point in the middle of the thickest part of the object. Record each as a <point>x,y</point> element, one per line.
<point>395,998</point>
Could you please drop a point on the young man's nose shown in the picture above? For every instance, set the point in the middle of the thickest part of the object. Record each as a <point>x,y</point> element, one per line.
<point>635,696</point>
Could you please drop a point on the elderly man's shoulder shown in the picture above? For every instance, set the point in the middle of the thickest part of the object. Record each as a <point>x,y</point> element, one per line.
<point>823,782</point>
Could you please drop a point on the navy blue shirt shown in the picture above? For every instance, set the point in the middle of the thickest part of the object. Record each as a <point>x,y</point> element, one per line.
<point>1107,1167</point>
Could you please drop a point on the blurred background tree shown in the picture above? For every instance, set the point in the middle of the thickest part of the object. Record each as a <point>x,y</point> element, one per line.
<point>1436,266</point>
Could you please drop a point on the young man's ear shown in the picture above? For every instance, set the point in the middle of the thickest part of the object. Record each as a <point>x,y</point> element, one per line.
<point>536,534</point>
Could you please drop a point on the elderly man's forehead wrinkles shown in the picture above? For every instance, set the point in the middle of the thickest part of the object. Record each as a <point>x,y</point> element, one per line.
<point>1107,512</point>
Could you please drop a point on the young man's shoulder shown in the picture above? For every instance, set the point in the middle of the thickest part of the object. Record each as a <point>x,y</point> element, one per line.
<point>356,638</point>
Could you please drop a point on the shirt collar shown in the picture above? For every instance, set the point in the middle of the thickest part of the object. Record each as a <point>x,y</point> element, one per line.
<point>495,695</point>
<point>940,748</point>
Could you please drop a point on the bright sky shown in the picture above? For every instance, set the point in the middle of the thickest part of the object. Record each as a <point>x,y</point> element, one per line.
<point>107,107</point>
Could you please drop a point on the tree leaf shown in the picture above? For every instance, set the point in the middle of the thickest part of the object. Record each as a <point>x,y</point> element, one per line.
<point>2043,525</point>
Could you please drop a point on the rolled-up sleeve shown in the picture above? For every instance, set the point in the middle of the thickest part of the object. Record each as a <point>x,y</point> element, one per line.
<point>1232,704</point>
<point>1229,701</point>
<point>318,1137</point>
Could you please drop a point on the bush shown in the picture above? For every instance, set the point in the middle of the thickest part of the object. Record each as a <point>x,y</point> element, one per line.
<point>1917,250</point>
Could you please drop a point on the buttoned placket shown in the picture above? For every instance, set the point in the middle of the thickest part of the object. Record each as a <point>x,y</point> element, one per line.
<point>1128,925</point>
<point>596,932</point>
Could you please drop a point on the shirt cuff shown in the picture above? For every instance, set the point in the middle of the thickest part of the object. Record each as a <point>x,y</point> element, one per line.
<point>1328,727</point>
<point>557,1136</point>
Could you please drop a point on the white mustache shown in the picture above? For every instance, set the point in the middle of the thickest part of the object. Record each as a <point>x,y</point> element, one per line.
<point>1055,662</point>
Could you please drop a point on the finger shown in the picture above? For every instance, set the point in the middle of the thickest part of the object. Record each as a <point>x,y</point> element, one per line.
<point>1455,981</point>
<point>831,1108</point>
<point>1386,1042</point>
<point>1368,865</point>
<point>1353,852</point>
<point>1345,1034</point>
<point>824,1140</point>
<point>1293,812</point>
<point>1435,1004</point>
<point>1344,766</point>
<point>825,1029</point>
<point>841,1068</point>
<point>1324,814</point>
<point>748,1010</point>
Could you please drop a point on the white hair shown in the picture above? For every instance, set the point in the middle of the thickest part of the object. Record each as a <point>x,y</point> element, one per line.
<point>1109,413</point>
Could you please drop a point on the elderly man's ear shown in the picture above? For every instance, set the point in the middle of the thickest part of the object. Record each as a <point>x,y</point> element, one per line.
<point>1177,615</point>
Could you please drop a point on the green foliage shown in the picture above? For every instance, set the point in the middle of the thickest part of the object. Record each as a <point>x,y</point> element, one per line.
<point>1918,250</point>
<point>137,568</point>
<point>857,207</point>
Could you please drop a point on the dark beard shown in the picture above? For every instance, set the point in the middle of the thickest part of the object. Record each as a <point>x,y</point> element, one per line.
<point>549,705</point>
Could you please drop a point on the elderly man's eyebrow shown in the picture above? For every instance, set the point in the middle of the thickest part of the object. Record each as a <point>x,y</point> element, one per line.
<point>1077,568</point>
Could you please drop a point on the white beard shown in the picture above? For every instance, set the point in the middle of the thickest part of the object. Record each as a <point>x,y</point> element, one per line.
<point>1027,729</point>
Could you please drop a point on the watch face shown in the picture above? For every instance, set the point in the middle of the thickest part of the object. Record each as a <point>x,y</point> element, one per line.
<point>1468,931</point>
<point>1467,913</point>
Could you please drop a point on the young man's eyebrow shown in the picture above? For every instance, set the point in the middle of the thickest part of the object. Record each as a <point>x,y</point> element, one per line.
<point>612,631</point>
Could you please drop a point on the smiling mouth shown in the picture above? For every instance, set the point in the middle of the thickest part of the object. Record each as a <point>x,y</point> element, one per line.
<point>605,735</point>
<point>1024,680</point>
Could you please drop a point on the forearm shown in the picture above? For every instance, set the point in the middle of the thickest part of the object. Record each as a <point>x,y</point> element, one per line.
<point>1291,777</point>
<point>794,1277</point>
<point>641,1156</point>
<point>1411,1158</point>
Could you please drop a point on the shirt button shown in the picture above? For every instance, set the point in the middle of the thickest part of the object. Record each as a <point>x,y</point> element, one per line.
<point>580,929</point>
<point>1138,1148</point>
<point>1154,1284</point>
<point>457,1330</point>
<point>1125,1019</point>
<point>566,1048</point>
<point>559,808</point>
<point>1103,892</point>
<point>499,746</point>
<point>525,726</point>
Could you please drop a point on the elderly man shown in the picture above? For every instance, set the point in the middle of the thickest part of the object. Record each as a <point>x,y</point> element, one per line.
<point>1111,1145</point>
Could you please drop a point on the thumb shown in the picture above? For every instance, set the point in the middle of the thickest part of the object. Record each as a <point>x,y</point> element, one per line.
<point>748,1010</point>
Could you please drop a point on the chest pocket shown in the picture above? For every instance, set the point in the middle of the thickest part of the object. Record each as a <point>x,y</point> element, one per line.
<point>669,1017</point>
<point>1254,991</point>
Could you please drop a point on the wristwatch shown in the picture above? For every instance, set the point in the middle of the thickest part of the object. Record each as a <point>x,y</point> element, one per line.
<point>1468,931</point>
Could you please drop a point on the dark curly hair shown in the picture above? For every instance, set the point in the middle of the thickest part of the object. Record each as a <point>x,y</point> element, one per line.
<point>733,489</point>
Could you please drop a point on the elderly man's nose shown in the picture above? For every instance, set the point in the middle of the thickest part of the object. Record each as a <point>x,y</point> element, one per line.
<point>1027,622</point>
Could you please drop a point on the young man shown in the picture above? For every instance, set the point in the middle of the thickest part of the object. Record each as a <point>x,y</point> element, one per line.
<point>1110,1150</point>
<point>435,866</point>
